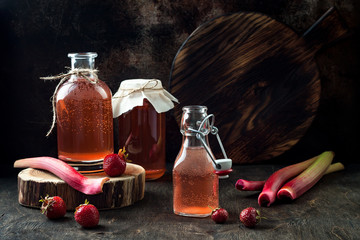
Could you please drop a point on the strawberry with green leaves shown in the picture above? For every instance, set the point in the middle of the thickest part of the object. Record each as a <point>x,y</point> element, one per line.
<point>53,207</point>
<point>250,217</point>
<point>115,164</point>
<point>87,215</point>
<point>219,215</point>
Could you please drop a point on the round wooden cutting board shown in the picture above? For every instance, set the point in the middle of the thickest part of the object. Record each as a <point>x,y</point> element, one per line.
<point>257,76</point>
<point>117,192</point>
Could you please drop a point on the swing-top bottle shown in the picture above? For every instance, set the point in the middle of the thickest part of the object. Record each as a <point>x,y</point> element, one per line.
<point>195,185</point>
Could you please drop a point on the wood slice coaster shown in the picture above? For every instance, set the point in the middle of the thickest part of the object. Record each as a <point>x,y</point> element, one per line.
<point>117,192</point>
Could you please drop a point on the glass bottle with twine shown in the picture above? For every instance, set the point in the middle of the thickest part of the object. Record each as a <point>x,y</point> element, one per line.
<point>82,112</point>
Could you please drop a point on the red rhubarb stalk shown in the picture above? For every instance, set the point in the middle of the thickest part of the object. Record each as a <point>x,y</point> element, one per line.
<point>299,185</point>
<point>278,178</point>
<point>64,171</point>
<point>247,185</point>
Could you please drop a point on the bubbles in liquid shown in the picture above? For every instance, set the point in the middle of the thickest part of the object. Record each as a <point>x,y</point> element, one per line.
<point>84,124</point>
<point>195,184</point>
<point>142,132</point>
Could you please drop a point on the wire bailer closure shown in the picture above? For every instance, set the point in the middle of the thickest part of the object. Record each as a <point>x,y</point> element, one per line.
<point>215,131</point>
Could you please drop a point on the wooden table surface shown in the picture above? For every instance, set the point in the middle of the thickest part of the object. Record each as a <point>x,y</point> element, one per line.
<point>330,210</point>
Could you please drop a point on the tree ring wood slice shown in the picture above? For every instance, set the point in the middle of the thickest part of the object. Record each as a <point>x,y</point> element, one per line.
<point>117,192</point>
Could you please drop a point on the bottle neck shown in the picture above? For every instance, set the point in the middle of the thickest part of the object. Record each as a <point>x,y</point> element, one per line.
<point>83,60</point>
<point>190,140</point>
<point>87,63</point>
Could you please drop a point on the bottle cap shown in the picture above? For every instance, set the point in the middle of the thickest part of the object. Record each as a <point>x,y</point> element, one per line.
<point>223,167</point>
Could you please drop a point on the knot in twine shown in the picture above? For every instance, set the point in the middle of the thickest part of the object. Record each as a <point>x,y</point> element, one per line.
<point>80,72</point>
<point>140,89</point>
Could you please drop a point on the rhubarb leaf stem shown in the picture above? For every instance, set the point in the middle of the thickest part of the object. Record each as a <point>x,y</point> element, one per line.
<point>335,167</point>
<point>64,171</point>
<point>308,178</point>
<point>278,178</point>
<point>247,185</point>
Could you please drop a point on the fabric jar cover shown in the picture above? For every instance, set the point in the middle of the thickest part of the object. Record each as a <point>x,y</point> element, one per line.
<point>132,92</point>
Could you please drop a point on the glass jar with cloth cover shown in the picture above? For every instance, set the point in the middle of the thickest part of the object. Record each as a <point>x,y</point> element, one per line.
<point>140,106</point>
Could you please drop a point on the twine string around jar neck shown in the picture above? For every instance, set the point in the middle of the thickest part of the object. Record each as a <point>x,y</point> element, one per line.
<point>80,72</point>
<point>141,89</point>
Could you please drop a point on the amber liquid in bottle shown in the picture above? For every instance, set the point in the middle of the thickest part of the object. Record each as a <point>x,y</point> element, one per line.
<point>196,191</point>
<point>142,132</point>
<point>84,123</point>
<point>195,185</point>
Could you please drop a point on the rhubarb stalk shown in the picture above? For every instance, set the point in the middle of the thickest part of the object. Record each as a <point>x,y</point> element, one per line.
<point>334,168</point>
<point>247,185</point>
<point>64,171</point>
<point>300,184</point>
<point>278,178</point>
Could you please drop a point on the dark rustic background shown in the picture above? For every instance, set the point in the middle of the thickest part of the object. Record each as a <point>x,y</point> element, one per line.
<point>139,39</point>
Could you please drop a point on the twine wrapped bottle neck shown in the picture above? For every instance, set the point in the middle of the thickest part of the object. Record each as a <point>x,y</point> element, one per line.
<point>89,74</point>
<point>82,65</point>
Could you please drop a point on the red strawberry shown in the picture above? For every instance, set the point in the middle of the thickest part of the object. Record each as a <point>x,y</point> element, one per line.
<point>87,215</point>
<point>219,215</point>
<point>53,207</point>
<point>250,217</point>
<point>115,164</point>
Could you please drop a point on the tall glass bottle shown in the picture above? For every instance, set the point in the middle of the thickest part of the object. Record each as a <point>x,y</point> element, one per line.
<point>84,117</point>
<point>195,185</point>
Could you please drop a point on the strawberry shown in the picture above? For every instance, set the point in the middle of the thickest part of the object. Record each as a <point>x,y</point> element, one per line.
<point>53,207</point>
<point>219,215</point>
<point>250,217</point>
<point>87,215</point>
<point>115,164</point>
